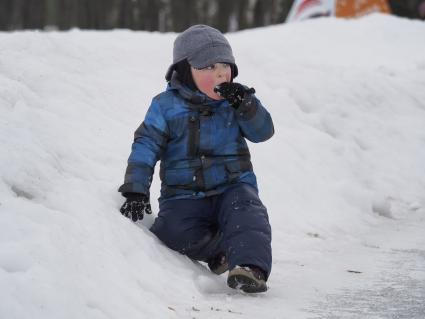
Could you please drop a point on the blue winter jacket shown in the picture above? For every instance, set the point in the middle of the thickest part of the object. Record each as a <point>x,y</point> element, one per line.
<point>199,141</point>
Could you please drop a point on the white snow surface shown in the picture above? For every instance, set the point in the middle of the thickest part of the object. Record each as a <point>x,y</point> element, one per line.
<point>343,177</point>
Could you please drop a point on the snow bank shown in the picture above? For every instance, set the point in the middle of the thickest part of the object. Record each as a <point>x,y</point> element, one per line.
<point>347,100</point>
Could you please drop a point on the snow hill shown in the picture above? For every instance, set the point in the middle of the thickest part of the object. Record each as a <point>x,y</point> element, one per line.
<point>343,178</point>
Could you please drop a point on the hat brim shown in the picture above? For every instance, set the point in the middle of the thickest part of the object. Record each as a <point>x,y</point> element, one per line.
<point>172,67</point>
<point>211,55</point>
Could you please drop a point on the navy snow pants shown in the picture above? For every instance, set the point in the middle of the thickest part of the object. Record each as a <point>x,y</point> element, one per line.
<point>234,223</point>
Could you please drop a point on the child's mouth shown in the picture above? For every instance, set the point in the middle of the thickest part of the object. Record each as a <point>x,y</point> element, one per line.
<point>217,88</point>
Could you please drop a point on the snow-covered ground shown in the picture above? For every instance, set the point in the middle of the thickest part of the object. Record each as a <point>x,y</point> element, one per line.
<point>343,178</point>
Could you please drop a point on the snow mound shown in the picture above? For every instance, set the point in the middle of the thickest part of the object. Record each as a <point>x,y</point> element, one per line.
<point>347,100</point>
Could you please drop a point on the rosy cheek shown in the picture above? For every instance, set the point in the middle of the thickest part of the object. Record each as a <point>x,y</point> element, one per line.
<point>206,85</point>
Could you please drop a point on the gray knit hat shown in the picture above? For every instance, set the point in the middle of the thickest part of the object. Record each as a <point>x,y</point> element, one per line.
<point>202,46</point>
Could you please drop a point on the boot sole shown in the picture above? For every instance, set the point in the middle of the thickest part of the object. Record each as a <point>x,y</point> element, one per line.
<point>245,281</point>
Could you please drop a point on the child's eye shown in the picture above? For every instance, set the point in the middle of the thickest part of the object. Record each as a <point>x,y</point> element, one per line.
<point>224,65</point>
<point>214,66</point>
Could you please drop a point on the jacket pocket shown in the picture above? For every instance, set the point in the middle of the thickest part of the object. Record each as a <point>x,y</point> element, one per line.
<point>237,168</point>
<point>180,177</point>
<point>233,170</point>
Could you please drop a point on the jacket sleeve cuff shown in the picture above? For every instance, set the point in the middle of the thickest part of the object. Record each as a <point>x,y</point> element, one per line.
<point>247,109</point>
<point>133,188</point>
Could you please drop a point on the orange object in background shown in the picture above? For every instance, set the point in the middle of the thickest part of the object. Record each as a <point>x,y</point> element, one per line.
<point>307,9</point>
<point>355,8</point>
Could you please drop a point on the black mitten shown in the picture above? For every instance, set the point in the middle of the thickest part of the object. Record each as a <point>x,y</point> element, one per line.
<point>233,92</point>
<point>136,206</point>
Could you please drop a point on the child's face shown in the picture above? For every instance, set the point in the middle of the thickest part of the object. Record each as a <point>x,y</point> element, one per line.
<point>208,78</point>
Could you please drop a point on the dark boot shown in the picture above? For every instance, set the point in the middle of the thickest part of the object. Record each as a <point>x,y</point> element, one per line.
<point>249,279</point>
<point>218,264</point>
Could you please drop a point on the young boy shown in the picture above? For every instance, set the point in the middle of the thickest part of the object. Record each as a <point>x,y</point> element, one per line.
<point>209,207</point>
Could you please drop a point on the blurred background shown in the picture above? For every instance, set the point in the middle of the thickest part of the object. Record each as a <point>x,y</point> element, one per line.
<point>164,15</point>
